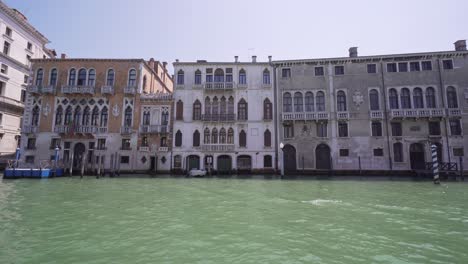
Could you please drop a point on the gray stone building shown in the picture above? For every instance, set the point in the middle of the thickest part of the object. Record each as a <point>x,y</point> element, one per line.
<point>382,112</point>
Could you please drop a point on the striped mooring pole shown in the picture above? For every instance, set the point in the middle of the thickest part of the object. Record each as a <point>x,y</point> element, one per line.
<point>435,164</point>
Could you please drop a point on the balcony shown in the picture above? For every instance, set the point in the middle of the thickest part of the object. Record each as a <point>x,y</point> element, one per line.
<point>33,89</point>
<point>61,129</point>
<point>219,118</point>
<point>218,147</point>
<point>153,129</point>
<point>74,89</point>
<point>163,149</point>
<point>304,116</point>
<point>156,97</point>
<point>144,148</point>
<point>85,129</point>
<point>197,86</point>
<point>342,115</point>
<point>242,85</point>
<point>323,116</point>
<point>125,148</point>
<point>416,113</point>
<point>266,85</point>
<point>130,90</point>
<point>376,114</point>
<point>217,86</point>
<point>107,89</point>
<point>48,89</point>
<point>29,129</point>
<point>454,112</point>
<point>126,130</point>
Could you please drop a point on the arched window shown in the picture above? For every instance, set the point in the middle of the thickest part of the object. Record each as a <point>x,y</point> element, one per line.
<point>180,77</point>
<point>231,106</point>
<point>267,109</point>
<point>77,116</point>
<point>214,136</point>
<point>298,102</point>
<point>132,78</point>
<point>72,77</point>
<point>309,102</point>
<point>144,82</point>
<point>58,115</point>
<point>68,116</point>
<point>206,136</point>
<point>178,138</point>
<point>215,108</point>
<point>219,75</point>
<point>267,138</point>
<point>128,117</point>
<point>223,108</point>
<point>91,77</point>
<point>452,101</point>
<point>374,100</point>
<point>393,98</point>
<point>104,116</point>
<point>230,136</point>
<point>95,116</point>
<point>110,77</point>
<point>398,152</point>
<point>81,77</point>
<point>222,136</point>
<point>207,107</point>
<point>179,110</point>
<point>266,76</point>
<point>86,116</point>
<point>196,110</point>
<point>287,102</point>
<point>320,101</point>
<point>39,77</point>
<point>165,118</point>
<point>35,116</point>
<point>146,118</point>
<point>418,98</point>
<point>196,138</point>
<point>341,101</point>
<point>198,77</point>
<point>242,139</point>
<point>242,77</point>
<point>430,98</point>
<point>242,110</point>
<point>405,98</point>
<point>53,77</point>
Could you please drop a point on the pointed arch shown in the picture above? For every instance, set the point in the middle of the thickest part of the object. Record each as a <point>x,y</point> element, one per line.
<point>219,75</point>
<point>68,115</point>
<point>91,77</point>
<point>215,108</point>
<point>266,76</point>
<point>180,77</point>
<point>146,118</point>
<point>95,116</point>
<point>59,115</point>
<point>206,136</point>
<point>196,110</point>
<point>223,107</point>
<point>179,110</point>
<point>208,107</point>
<point>214,136</point>
<point>110,77</point>
<point>86,116</point>
<point>196,138</point>
<point>198,77</point>
<point>242,77</point>
<point>77,116</point>
<point>104,116</point>
<point>230,136</point>
<point>267,138</point>
<point>81,77</point>
<point>72,77</point>
<point>39,77</point>
<point>222,136</point>
<point>132,78</point>
<point>53,77</point>
<point>128,117</point>
<point>230,106</point>
<point>35,116</point>
<point>178,138</point>
<point>242,139</point>
<point>242,110</point>
<point>267,109</point>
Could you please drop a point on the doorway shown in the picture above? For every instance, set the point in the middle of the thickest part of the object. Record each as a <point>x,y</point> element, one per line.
<point>322,157</point>
<point>289,159</point>
<point>417,159</point>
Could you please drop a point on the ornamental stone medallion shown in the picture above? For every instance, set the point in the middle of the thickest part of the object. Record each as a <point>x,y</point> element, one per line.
<point>115,110</point>
<point>358,99</point>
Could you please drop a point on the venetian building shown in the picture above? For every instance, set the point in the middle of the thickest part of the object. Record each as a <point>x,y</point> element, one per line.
<point>100,112</point>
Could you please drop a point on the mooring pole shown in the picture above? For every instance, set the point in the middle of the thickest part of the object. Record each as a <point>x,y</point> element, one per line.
<point>112,167</point>
<point>71,164</point>
<point>462,177</point>
<point>83,158</point>
<point>359,161</point>
<point>435,164</point>
<point>103,169</point>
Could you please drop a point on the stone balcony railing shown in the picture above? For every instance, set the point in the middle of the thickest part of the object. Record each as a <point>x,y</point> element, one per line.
<point>75,89</point>
<point>48,89</point>
<point>454,112</point>
<point>154,129</point>
<point>107,89</point>
<point>266,85</point>
<point>342,115</point>
<point>144,148</point>
<point>219,85</point>
<point>305,116</point>
<point>65,129</point>
<point>126,130</point>
<point>156,97</point>
<point>35,89</point>
<point>130,90</point>
<point>163,149</point>
<point>376,114</point>
<point>218,117</point>
<point>416,113</point>
<point>242,85</point>
<point>29,129</point>
<point>218,147</point>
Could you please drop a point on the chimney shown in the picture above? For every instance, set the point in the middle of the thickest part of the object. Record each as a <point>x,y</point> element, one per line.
<point>63,56</point>
<point>254,59</point>
<point>353,52</point>
<point>269,59</point>
<point>460,45</point>
<point>236,59</point>
<point>164,64</point>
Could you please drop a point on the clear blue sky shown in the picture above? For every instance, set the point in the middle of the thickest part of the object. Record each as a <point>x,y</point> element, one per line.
<point>217,30</point>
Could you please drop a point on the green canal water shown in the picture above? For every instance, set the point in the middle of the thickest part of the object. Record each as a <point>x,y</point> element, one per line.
<point>170,220</point>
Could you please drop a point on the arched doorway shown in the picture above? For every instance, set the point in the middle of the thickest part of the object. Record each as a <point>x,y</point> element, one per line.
<point>289,159</point>
<point>417,159</point>
<point>322,157</point>
<point>224,164</point>
<point>193,162</point>
<point>244,163</point>
<point>78,152</point>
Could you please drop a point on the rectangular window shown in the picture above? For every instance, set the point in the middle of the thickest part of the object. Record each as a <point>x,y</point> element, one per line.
<point>322,130</point>
<point>31,143</point>
<point>319,71</point>
<point>124,159</point>
<point>455,127</point>
<point>29,46</point>
<point>286,73</point>
<point>402,66</point>
<point>67,145</point>
<point>391,67</point>
<point>6,48</point>
<point>434,128</point>
<point>267,161</point>
<point>371,68</point>
<point>447,64</point>
<point>91,145</point>
<point>344,152</point>
<point>4,69</point>
<point>376,129</point>
<point>458,152</point>
<point>339,70</point>
<point>378,152</point>
<point>101,143</point>
<point>126,144</point>
<point>55,142</point>
<point>2,88</point>
<point>342,129</point>
<point>414,66</point>
<point>288,131</point>
<point>426,65</point>
<point>396,129</point>
<point>8,31</point>
<point>23,96</point>
<point>398,152</point>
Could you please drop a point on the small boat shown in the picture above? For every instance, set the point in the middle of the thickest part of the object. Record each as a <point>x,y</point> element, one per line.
<point>197,173</point>
<point>14,172</point>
